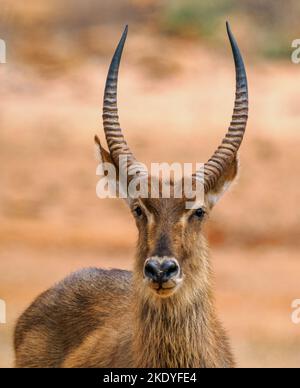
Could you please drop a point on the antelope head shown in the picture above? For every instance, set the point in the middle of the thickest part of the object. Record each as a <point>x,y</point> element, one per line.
<point>170,235</point>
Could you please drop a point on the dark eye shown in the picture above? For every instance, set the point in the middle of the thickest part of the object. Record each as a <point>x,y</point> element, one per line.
<point>138,211</point>
<point>199,213</point>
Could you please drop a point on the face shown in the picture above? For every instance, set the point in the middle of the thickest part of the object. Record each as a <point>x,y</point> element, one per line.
<point>171,249</point>
<point>168,237</point>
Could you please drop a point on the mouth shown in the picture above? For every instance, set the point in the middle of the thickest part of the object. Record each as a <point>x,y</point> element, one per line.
<point>164,289</point>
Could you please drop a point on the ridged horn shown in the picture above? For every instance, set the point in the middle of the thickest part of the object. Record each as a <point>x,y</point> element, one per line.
<point>113,132</point>
<point>227,151</point>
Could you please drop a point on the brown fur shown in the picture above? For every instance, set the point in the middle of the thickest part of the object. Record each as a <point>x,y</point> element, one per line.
<point>164,318</point>
<point>98,318</point>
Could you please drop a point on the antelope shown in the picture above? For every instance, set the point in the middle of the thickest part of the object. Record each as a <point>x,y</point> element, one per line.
<point>162,314</point>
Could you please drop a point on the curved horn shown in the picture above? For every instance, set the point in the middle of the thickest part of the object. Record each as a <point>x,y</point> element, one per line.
<point>113,132</point>
<point>227,151</point>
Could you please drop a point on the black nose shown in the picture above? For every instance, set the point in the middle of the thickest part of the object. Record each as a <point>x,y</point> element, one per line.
<point>161,272</point>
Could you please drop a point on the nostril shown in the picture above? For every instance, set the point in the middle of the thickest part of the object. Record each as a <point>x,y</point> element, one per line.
<point>161,272</point>
<point>170,269</point>
<point>151,270</point>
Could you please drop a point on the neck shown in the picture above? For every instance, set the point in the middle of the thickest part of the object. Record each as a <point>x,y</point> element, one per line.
<point>182,330</point>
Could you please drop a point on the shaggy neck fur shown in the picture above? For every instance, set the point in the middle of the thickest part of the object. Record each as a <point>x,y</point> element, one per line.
<point>182,330</point>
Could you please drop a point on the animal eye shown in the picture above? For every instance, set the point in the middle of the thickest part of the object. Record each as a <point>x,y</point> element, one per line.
<point>138,211</point>
<point>199,213</point>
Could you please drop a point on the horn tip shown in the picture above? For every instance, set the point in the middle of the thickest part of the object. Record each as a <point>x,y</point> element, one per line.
<point>228,28</point>
<point>124,37</point>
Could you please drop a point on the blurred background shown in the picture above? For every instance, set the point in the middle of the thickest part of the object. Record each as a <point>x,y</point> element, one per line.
<point>176,95</point>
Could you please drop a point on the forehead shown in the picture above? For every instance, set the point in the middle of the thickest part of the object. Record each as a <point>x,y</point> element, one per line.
<point>160,207</point>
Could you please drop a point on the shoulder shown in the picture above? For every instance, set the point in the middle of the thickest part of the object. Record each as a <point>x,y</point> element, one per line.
<point>96,278</point>
<point>86,297</point>
<point>90,285</point>
<point>82,289</point>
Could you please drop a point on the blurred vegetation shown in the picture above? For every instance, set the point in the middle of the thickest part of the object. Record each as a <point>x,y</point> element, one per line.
<point>273,24</point>
<point>194,18</point>
<point>56,36</point>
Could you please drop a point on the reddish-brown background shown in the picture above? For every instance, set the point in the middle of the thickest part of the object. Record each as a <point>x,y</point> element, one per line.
<point>176,95</point>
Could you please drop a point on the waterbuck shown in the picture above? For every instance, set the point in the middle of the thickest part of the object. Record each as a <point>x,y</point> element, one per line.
<point>163,313</point>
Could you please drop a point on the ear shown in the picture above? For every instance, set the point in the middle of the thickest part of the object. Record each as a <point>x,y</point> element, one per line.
<point>223,183</point>
<point>113,180</point>
<point>102,155</point>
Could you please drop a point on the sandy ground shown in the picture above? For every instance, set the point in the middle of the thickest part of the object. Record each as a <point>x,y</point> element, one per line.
<point>52,223</point>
